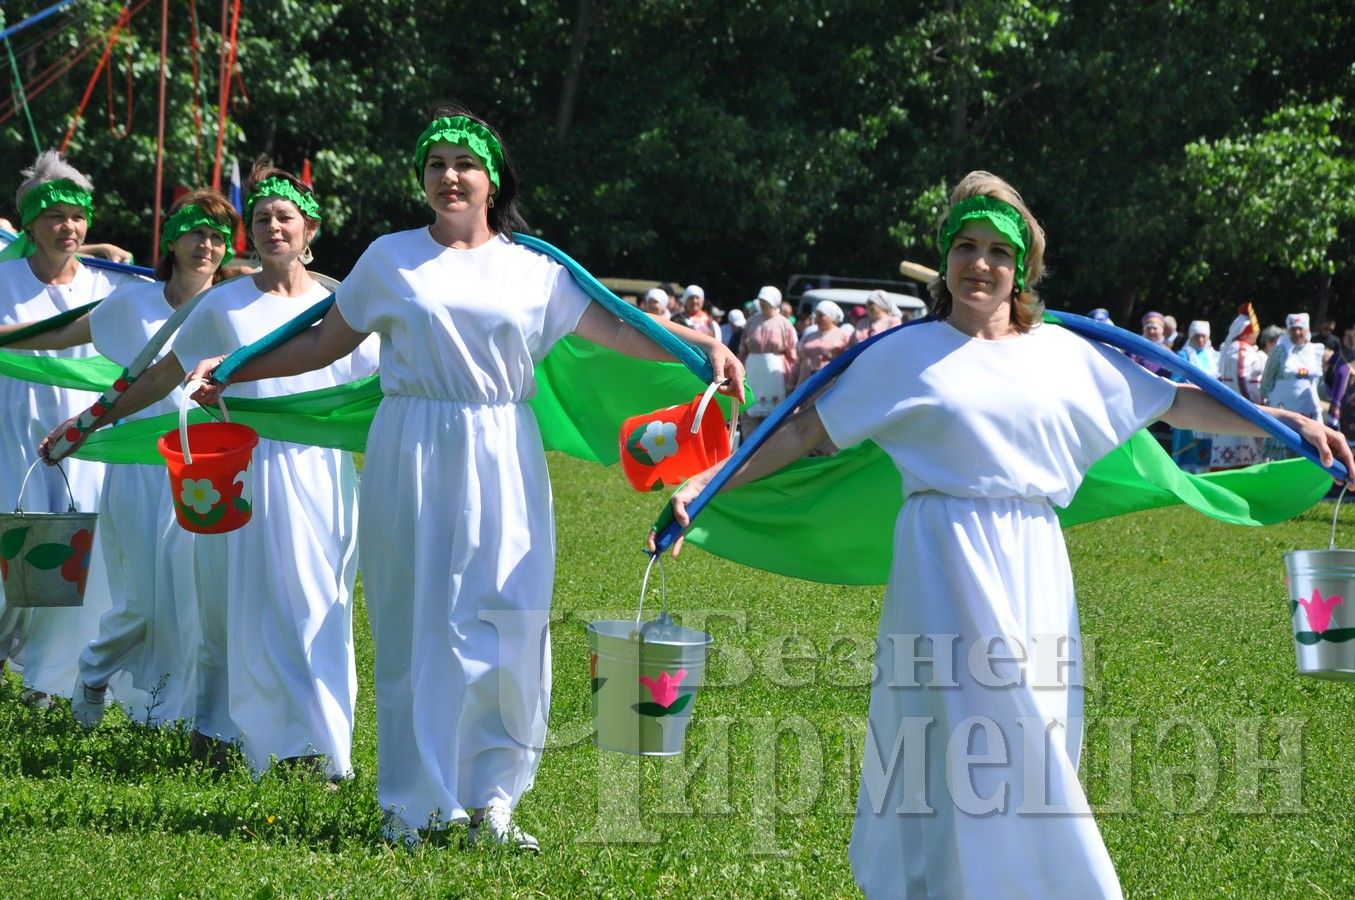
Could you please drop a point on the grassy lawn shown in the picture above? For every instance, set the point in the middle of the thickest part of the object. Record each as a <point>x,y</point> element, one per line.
<point>1192,683</point>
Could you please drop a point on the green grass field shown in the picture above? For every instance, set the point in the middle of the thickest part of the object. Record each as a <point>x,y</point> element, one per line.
<point>1192,691</point>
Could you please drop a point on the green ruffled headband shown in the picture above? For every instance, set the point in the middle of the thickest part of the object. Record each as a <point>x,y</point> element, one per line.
<point>190,217</point>
<point>276,186</point>
<point>1002,215</point>
<point>464,131</point>
<point>50,193</point>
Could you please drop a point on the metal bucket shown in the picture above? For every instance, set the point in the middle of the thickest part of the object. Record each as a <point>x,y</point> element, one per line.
<point>1322,608</point>
<point>44,557</point>
<point>645,679</point>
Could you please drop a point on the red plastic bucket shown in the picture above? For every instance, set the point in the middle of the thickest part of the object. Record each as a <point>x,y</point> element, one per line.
<point>209,472</point>
<point>668,446</point>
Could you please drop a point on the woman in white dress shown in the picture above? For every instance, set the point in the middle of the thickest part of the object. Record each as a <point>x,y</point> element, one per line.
<point>1293,371</point>
<point>151,631</point>
<point>55,204</point>
<point>1241,365</point>
<point>276,670</point>
<point>458,535</point>
<point>969,785</point>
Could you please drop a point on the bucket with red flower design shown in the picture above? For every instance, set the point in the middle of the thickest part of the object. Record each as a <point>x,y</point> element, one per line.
<point>670,445</point>
<point>44,556</point>
<point>644,681</point>
<point>1322,608</point>
<point>209,471</point>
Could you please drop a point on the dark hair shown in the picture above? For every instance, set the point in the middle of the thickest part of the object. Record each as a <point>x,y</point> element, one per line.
<point>263,169</point>
<point>219,209</point>
<point>504,216</point>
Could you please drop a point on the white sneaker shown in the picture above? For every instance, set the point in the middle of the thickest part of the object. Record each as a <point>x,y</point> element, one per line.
<point>497,827</point>
<point>394,830</point>
<point>87,704</point>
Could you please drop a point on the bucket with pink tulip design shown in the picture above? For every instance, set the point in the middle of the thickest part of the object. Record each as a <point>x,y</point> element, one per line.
<point>1322,607</point>
<point>644,680</point>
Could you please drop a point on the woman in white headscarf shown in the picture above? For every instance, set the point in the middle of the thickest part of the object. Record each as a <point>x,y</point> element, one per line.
<point>881,315</point>
<point>1291,375</point>
<point>45,278</point>
<point>820,346</point>
<point>1191,449</point>
<point>769,354</point>
<point>1240,367</point>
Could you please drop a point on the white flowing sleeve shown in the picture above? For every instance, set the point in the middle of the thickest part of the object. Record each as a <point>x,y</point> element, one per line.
<point>202,334</point>
<point>867,397</point>
<point>360,296</point>
<point>564,309</point>
<point>1133,396</point>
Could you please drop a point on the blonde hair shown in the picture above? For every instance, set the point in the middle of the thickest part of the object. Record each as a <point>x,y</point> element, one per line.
<point>1027,307</point>
<point>49,166</point>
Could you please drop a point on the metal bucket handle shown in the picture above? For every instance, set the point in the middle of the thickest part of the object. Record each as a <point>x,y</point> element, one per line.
<point>18,503</point>
<point>1345,486</point>
<point>187,397</point>
<point>664,618</point>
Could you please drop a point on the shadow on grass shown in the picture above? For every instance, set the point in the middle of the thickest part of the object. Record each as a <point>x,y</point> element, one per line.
<point>126,776</point>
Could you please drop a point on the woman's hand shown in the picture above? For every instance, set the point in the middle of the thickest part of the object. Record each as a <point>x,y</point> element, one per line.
<point>46,444</point>
<point>110,252</point>
<point>681,499</point>
<point>209,391</point>
<point>726,365</point>
<point>1330,443</point>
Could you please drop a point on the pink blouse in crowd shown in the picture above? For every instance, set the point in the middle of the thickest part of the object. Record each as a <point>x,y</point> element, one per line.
<point>774,335</point>
<point>817,350</point>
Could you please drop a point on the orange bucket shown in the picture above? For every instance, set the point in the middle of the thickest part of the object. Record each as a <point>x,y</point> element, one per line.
<point>666,447</point>
<point>210,478</point>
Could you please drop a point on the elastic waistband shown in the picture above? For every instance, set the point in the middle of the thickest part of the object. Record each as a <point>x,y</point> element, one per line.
<point>451,400</point>
<point>1035,501</point>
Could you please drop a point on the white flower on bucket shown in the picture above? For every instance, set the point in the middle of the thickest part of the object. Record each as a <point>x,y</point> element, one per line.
<point>660,440</point>
<point>199,495</point>
<point>246,481</point>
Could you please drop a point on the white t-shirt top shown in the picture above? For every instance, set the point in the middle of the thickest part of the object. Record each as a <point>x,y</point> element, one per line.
<point>461,325</point>
<point>125,322</point>
<point>1024,417</point>
<point>25,299</point>
<point>237,313</point>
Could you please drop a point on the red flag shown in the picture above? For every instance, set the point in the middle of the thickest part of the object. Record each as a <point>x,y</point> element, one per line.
<point>306,172</point>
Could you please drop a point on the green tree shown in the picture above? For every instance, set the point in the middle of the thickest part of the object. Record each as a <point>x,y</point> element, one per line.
<point>1277,196</point>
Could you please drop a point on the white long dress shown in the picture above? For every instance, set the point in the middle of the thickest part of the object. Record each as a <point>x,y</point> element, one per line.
<point>278,594</point>
<point>1292,376</point>
<point>46,643</point>
<point>990,436</point>
<point>1241,366</point>
<point>458,533</point>
<point>151,632</point>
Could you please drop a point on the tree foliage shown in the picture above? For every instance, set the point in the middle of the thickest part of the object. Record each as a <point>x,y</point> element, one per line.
<point>1182,155</point>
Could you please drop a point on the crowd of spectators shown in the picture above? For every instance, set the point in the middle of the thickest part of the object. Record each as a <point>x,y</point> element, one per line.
<point>1289,366</point>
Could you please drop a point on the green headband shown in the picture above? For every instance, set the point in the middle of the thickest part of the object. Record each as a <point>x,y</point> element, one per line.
<point>50,193</point>
<point>1002,215</point>
<point>190,217</point>
<point>277,186</point>
<point>464,131</point>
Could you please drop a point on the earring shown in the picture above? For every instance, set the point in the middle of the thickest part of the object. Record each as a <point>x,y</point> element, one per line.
<point>306,257</point>
<point>491,201</point>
